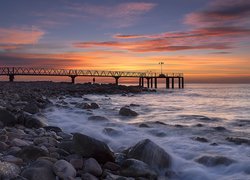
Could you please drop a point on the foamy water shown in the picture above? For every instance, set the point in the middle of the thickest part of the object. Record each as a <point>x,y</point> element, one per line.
<point>188,113</point>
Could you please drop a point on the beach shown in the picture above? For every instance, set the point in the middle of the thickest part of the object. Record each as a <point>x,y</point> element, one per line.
<point>92,131</point>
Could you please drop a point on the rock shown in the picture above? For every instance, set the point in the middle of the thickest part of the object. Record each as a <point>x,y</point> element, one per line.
<point>150,153</point>
<point>238,141</point>
<point>143,125</point>
<point>111,132</point>
<point>87,176</point>
<point>124,111</point>
<point>13,150</point>
<point>67,146</point>
<point>31,153</point>
<point>110,176</point>
<point>120,158</point>
<point>91,166</point>
<point>19,142</point>
<point>111,166</point>
<point>94,106</point>
<point>3,138</point>
<point>135,105</point>
<point>7,118</point>
<point>77,163</point>
<point>53,128</point>
<point>220,128</point>
<point>214,160</point>
<point>90,147</point>
<point>31,108</point>
<point>65,136</point>
<point>31,121</point>
<point>136,168</point>
<point>84,106</point>
<point>98,119</point>
<point>12,159</point>
<point>47,141</point>
<point>9,170</point>
<point>40,169</point>
<point>201,139</point>
<point>3,146</point>
<point>64,170</point>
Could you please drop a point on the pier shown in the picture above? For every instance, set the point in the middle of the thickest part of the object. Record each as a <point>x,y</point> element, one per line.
<point>145,79</point>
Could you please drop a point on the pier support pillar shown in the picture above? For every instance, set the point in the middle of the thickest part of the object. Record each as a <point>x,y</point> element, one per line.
<point>73,79</point>
<point>116,80</point>
<point>167,83</point>
<point>179,82</point>
<point>147,82</point>
<point>139,81</point>
<point>155,83</point>
<point>142,82</point>
<point>11,77</point>
<point>151,82</point>
<point>182,82</point>
<point>172,82</point>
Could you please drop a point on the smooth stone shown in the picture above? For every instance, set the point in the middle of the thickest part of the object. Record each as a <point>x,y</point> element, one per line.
<point>9,170</point>
<point>150,153</point>
<point>201,139</point>
<point>94,106</point>
<point>40,169</point>
<point>20,142</point>
<point>111,176</point>
<point>124,111</point>
<point>111,166</point>
<point>31,153</point>
<point>136,168</point>
<point>143,125</point>
<point>238,141</point>
<point>87,176</point>
<point>13,150</point>
<point>64,169</point>
<point>3,146</point>
<point>65,136</point>
<point>31,121</point>
<point>31,108</point>
<point>12,159</point>
<point>98,119</point>
<point>92,166</point>
<point>211,161</point>
<point>220,128</point>
<point>7,118</point>
<point>77,163</point>
<point>67,146</point>
<point>90,147</point>
<point>111,131</point>
<point>45,141</point>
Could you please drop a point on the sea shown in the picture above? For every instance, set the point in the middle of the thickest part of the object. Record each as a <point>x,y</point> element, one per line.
<point>176,120</point>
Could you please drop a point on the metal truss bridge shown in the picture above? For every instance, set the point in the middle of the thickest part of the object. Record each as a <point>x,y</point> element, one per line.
<point>11,72</point>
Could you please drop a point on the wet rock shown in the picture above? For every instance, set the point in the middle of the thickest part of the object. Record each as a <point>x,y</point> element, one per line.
<point>200,139</point>
<point>3,146</point>
<point>111,166</point>
<point>9,170</point>
<point>98,119</point>
<point>150,153</point>
<point>136,168</point>
<point>64,170</point>
<point>120,158</point>
<point>219,128</point>
<point>53,128</point>
<point>3,138</point>
<point>238,141</point>
<point>7,118</point>
<point>134,105</point>
<point>143,125</point>
<point>214,160</point>
<point>67,146</point>
<point>94,106</point>
<point>92,166</point>
<point>31,153</point>
<point>84,106</point>
<point>47,141</point>
<point>77,163</point>
<point>87,176</point>
<point>110,176</point>
<point>40,169</point>
<point>20,142</point>
<point>12,159</point>
<point>30,121</point>
<point>124,111</point>
<point>65,136</point>
<point>31,108</point>
<point>90,147</point>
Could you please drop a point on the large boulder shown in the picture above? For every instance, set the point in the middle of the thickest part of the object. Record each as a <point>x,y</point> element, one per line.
<point>7,118</point>
<point>31,153</point>
<point>31,121</point>
<point>214,160</point>
<point>136,168</point>
<point>124,111</point>
<point>90,147</point>
<point>64,169</point>
<point>150,153</point>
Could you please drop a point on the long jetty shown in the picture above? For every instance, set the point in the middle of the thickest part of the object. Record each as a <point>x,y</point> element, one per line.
<point>150,77</point>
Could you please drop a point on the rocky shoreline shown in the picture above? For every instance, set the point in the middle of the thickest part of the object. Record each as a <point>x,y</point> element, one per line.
<point>30,149</point>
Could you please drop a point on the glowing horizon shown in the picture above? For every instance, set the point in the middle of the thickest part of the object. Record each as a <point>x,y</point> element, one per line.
<point>208,41</point>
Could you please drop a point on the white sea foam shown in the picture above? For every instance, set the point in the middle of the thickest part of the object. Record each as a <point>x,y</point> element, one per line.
<point>210,106</point>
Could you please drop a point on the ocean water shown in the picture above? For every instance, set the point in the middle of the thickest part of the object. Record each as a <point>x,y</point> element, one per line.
<point>195,111</point>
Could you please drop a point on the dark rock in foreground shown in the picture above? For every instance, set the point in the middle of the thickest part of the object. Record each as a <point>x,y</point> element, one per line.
<point>150,153</point>
<point>31,153</point>
<point>90,147</point>
<point>7,118</point>
<point>238,141</point>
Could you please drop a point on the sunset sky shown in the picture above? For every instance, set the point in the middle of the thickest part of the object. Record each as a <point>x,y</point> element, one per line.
<point>207,40</point>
